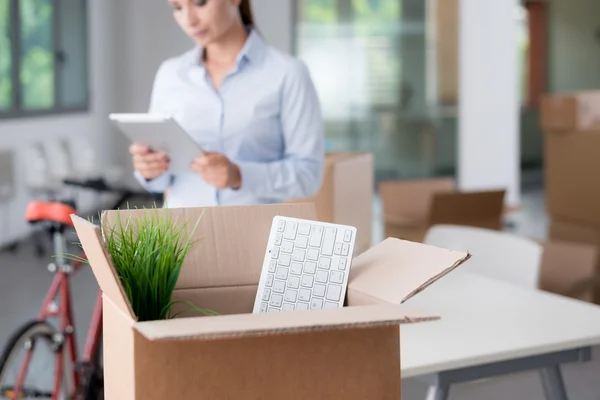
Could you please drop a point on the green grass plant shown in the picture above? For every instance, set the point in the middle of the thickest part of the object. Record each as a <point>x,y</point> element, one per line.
<point>147,250</point>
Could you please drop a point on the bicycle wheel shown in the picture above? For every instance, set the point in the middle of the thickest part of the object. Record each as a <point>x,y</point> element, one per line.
<point>34,345</point>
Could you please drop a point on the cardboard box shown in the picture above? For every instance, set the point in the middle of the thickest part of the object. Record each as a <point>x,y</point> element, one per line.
<point>571,265</point>
<point>346,195</point>
<point>295,355</point>
<point>570,111</point>
<point>569,269</point>
<point>570,160</point>
<point>410,208</point>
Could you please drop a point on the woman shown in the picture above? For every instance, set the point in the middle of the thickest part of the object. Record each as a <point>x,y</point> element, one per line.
<point>253,110</point>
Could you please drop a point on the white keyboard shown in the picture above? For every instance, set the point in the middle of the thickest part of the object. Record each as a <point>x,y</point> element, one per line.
<point>306,266</point>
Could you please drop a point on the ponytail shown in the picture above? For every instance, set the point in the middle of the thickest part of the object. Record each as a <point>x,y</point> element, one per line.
<point>246,13</point>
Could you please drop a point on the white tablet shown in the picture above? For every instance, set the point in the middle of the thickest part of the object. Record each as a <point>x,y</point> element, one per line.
<point>161,133</point>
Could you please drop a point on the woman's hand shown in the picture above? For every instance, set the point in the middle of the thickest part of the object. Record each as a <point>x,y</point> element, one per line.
<point>217,171</point>
<point>148,163</point>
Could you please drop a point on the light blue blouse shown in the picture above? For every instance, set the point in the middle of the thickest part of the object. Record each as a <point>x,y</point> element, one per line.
<point>266,118</point>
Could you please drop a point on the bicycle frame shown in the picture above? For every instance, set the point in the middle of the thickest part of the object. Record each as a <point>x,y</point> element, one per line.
<point>62,309</point>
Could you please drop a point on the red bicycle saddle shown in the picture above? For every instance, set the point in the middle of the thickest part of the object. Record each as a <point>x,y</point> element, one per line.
<point>49,211</point>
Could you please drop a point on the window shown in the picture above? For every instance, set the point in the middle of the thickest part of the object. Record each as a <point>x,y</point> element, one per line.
<point>43,57</point>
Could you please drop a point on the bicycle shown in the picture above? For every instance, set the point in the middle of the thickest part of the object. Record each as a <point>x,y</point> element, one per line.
<point>69,377</point>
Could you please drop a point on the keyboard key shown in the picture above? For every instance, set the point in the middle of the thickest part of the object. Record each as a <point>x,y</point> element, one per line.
<point>334,292</point>
<point>316,304</point>
<point>338,249</point>
<point>282,273</point>
<point>310,267</point>
<point>266,294</point>
<point>279,287</point>
<point>272,266</point>
<point>316,236</point>
<point>285,260</point>
<point>302,242</point>
<point>275,253</point>
<point>324,263</point>
<point>278,239</point>
<point>299,255</point>
<point>329,241</point>
<point>304,295</point>
<point>287,247</point>
<point>273,310</point>
<point>336,277</point>
<point>312,254</point>
<point>287,307</point>
<point>291,295</point>
<point>329,305</point>
<point>322,276</point>
<point>307,281</point>
<point>347,235</point>
<point>319,290</point>
<point>290,230</point>
<point>281,226</point>
<point>345,249</point>
<point>302,306</point>
<point>269,281</point>
<point>304,229</point>
<point>296,268</point>
<point>276,300</point>
<point>264,307</point>
<point>342,264</point>
<point>293,282</point>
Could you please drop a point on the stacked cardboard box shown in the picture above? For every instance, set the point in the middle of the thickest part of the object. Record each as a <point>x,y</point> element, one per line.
<point>346,195</point>
<point>571,124</point>
<point>350,353</point>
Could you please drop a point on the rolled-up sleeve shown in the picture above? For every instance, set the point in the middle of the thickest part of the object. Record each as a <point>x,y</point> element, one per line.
<point>158,96</point>
<point>299,173</point>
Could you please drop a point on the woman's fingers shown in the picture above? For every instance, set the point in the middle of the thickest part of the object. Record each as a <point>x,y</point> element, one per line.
<point>137,148</point>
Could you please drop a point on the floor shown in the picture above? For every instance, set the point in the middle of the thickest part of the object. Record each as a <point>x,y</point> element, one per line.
<point>25,279</point>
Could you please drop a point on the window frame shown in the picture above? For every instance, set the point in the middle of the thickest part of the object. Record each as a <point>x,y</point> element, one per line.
<point>16,111</point>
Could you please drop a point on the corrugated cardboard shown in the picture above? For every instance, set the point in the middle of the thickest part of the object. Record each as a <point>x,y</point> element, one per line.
<point>275,356</point>
<point>346,195</point>
<point>410,208</point>
<point>569,269</point>
<point>572,265</point>
<point>570,157</point>
<point>570,111</point>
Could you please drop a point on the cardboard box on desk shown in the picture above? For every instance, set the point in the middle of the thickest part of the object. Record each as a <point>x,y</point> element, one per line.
<point>570,160</point>
<point>570,111</point>
<point>346,195</point>
<point>410,208</point>
<point>350,353</point>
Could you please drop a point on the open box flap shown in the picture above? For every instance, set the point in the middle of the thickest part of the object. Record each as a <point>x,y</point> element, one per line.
<point>91,240</point>
<point>246,325</point>
<point>230,242</point>
<point>412,199</point>
<point>395,270</point>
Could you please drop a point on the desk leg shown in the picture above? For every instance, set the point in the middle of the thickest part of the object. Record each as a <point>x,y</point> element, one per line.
<point>552,381</point>
<point>438,392</point>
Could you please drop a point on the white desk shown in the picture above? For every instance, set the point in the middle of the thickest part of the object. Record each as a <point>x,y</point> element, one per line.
<point>490,328</point>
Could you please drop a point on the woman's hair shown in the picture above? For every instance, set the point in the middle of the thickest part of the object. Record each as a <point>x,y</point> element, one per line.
<point>246,13</point>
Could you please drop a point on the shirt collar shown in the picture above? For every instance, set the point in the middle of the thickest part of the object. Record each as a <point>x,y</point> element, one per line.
<point>252,51</point>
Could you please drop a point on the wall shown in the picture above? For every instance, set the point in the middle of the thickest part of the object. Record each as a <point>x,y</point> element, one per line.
<point>488,140</point>
<point>574,52</point>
